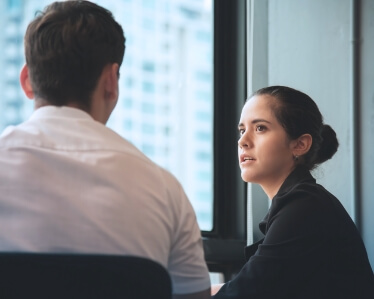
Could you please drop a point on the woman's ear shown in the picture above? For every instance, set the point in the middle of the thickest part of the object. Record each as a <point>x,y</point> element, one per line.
<point>25,82</point>
<point>302,145</point>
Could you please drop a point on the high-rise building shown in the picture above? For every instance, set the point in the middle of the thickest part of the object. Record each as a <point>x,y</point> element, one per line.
<point>166,100</point>
<point>11,104</point>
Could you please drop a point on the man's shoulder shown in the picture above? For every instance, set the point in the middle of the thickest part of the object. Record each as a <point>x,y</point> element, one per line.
<point>125,147</point>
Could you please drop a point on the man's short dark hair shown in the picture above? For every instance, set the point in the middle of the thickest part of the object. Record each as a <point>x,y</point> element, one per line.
<point>67,46</point>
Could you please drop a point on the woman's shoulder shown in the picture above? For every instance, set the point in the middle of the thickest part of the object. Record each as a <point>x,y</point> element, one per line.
<point>306,203</point>
<point>310,206</point>
<point>305,194</point>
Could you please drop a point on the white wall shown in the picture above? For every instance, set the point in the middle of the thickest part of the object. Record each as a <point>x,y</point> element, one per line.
<point>367,125</point>
<point>309,49</point>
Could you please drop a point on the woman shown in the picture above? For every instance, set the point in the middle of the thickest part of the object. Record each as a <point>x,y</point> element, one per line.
<point>311,247</point>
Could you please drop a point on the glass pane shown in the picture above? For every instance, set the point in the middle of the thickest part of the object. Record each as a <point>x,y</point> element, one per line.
<point>166,85</point>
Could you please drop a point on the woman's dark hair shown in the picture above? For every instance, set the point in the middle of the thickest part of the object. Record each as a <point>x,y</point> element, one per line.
<point>67,46</point>
<point>299,115</point>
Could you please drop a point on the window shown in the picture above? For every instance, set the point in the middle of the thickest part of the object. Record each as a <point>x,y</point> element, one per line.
<point>14,4</point>
<point>127,103</point>
<point>204,36</point>
<point>166,94</point>
<point>169,92</point>
<point>148,66</point>
<point>203,76</point>
<point>204,136</point>
<point>148,108</point>
<point>148,87</point>
<point>127,125</point>
<point>148,129</point>
<point>148,149</point>
<point>148,24</point>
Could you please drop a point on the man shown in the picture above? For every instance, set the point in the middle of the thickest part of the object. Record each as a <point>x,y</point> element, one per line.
<point>70,184</point>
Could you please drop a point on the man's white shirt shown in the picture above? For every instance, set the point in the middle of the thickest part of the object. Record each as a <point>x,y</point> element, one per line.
<point>70,184</point>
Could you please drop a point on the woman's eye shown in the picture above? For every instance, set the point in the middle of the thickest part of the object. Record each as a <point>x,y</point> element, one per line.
<point>260,128</point>
<point>241,132</point>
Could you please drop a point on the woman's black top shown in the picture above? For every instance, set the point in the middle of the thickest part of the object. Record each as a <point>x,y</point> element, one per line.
<point>311,249</point>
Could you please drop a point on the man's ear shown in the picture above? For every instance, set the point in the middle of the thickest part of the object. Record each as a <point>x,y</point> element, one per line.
<point>111,83</point>
<point>302,145</point>
<point>25,82</point>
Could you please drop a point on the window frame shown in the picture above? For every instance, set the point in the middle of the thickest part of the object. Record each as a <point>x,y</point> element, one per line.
<point>224,245</point>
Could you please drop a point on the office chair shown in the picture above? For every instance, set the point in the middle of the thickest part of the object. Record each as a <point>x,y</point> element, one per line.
<point>92,276</point>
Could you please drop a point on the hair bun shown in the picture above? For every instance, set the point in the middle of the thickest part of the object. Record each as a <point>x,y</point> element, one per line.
<point>329,144</point>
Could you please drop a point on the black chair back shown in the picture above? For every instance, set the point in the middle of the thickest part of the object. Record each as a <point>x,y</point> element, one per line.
<point>70,276</point>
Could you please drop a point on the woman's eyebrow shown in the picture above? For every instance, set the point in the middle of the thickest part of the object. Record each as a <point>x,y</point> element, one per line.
<point>255,121</point>
<point>258,120</point>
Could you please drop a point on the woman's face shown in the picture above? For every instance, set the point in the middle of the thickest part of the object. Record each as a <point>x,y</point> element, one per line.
<point>264,149</point>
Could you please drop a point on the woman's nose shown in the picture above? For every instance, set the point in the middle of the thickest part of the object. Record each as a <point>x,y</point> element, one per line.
<point>243,142</point>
